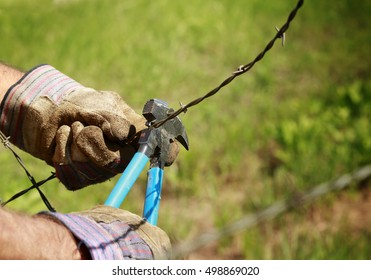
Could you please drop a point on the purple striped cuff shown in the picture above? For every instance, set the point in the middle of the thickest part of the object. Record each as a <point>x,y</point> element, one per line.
<point>43,80</point>
<point>113,241</point>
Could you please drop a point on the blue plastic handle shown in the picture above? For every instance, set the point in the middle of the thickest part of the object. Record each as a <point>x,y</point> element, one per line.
<point>127,180</point>
<point>153,195</point>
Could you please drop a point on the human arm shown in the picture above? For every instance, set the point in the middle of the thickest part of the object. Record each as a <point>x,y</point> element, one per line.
<point>101,233</point>
<point>8,77</point>
<point>36,237</point>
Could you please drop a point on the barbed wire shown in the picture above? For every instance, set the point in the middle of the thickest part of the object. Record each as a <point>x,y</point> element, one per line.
<point>35,185</point>
<point>241,69</point>
<point>185,248</point>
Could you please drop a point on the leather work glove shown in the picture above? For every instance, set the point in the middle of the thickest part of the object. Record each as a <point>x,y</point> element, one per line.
<point>112,233</point>
<point>78,130</point>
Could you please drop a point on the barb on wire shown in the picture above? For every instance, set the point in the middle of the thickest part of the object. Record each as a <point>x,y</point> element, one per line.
<point>273,211</point>
<point>35,185</point>
<point>283,37</point>
<point>241,70</point>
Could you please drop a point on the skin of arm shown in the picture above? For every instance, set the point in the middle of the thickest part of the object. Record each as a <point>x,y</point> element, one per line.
<point>32,237</point>
<point>35,237</point>
<point>8,77</point>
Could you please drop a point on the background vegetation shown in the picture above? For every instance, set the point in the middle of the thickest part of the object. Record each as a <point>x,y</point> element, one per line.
<point>299,118</point>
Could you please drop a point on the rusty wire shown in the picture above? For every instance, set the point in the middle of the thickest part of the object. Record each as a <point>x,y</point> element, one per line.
<point>358,176</point>
<point>241,70</point>
<point>35,185</point>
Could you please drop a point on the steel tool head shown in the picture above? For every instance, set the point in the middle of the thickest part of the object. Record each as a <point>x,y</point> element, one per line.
<point>156,109</point>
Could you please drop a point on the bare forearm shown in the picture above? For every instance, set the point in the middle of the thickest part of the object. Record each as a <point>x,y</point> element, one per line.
<point>35,237</point>
<point>8,77</point>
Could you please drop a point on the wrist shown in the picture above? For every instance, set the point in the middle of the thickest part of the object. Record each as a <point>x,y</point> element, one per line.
<point>69,246</point>
<point>37,237</point>
<point>8,77</point>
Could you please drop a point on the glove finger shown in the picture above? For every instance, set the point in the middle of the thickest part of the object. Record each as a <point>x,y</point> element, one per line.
<point>125,111</point>
<point>91,142</point>
<point>172,153</point>
<point>113,126</point>
<point>105,153</point>
<point>62,138</point>
<point>76,154</point>
<point>117,128</point>
<point>77,175</point>
<point>81,174</point>
<point>82,157</point>
<point>113,116</point>
<point>66,150</point>
<point>67,113</point>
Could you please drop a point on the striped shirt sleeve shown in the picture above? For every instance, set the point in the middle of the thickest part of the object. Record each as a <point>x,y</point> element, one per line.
<point>106,241</point>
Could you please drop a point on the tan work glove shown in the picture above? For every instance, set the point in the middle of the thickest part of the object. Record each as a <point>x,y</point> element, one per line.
<point>153,236</point>
<point>78,130</point>
<point>111,233</point>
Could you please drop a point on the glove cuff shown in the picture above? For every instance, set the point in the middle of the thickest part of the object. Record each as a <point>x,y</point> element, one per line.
<point>43,80</point>
<point>116,240</point>
<point>153,236</point>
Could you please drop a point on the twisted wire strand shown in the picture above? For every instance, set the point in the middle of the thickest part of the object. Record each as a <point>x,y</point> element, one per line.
<point>274,210</point>
<point>241,70</point>
<point>35,185</point>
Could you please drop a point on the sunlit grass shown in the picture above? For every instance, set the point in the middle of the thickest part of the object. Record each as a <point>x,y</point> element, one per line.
<point>272,132</point>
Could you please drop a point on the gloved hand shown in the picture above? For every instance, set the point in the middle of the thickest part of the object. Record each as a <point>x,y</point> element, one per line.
<point>78,130</point>
<point>111,233</point>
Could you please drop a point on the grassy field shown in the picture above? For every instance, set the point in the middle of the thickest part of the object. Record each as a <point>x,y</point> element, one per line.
<point>299,118</point>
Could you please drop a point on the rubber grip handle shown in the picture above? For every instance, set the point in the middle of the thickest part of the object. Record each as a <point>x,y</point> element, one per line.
<point>127,180</point>
<point>153,194</point>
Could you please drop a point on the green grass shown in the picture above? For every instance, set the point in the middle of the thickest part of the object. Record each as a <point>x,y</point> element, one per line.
<point>300,117</point>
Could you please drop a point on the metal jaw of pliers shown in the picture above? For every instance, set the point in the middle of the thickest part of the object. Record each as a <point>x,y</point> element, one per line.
<point>154,146</point>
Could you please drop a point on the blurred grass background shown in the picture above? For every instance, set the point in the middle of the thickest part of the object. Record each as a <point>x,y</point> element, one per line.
<point>299,118</point>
